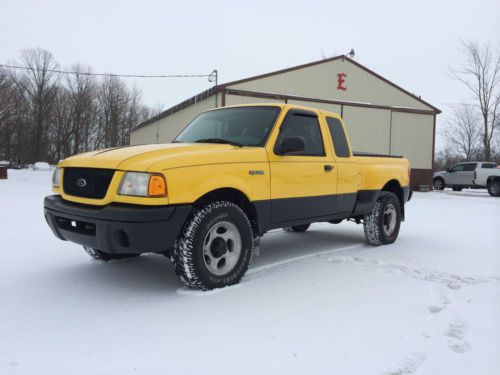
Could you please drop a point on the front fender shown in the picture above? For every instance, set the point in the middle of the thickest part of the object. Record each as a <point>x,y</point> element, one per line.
<point>186,185</point>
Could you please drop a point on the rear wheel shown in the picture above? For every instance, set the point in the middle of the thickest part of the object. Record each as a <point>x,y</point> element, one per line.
<point>494,188</point>
<point>438,183</point>
<point>457,189</point>
<point>297,228</point>
<point>106,257</point>
<point>382,224</point>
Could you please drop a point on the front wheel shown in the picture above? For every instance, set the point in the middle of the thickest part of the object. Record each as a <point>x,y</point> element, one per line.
<point>494,188</point>
<point>438,184</point>
<point>382,224</point>
<point>215,247</point>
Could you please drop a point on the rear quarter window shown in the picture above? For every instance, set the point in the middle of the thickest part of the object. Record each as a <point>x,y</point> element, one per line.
<point>339,138</point>
<point>488,166</point>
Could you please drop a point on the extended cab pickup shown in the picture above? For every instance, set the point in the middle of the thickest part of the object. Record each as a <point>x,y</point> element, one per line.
<point>473,175</point>
<point>233,174</point>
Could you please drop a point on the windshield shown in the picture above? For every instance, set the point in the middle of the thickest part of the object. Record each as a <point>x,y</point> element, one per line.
<point>246,126</point>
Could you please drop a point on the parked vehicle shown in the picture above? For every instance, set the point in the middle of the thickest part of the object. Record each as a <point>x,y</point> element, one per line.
<point>464,175</point>
<point>489,177</point>
<point>42,166</point>
<point>232,175</point>
<point>5,163</point>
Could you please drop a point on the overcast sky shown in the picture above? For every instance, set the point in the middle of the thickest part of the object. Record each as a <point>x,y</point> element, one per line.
<point>410,43</point>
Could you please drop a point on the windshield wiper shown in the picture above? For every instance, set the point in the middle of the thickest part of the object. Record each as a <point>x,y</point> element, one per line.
<point>218,140</point>
<point>176,141</point>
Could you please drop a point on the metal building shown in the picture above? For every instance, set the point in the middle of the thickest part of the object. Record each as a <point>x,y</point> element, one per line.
<point>380,116</point>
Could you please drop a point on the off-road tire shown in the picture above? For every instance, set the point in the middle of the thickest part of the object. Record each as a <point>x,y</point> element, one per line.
<point>188,257</point>
<point>457,189</point>
<point>106,257</point>
<point>494,188</point>
<point>297,228</point>
<point>438,183</point>
<point>374,222</point>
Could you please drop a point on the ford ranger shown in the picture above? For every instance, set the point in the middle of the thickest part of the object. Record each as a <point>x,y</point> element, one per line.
<point>233,174</point>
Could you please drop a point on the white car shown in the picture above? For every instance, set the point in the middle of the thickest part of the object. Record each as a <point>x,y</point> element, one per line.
<point>475,175</point>
<point>42,166</point>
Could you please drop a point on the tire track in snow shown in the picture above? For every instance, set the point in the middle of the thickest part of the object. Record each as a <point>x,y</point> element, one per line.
<point>451,280</point>
<point>257,272</point>
<point>409,364</point>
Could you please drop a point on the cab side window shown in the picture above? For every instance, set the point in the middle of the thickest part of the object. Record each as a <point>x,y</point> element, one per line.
<point>339,139</point>
<point>306,126</point>
<point>458,168</point>
<point>469,167</point>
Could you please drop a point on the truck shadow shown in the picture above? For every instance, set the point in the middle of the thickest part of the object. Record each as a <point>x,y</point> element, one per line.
<point>153,273</point>
<point>465,193</point>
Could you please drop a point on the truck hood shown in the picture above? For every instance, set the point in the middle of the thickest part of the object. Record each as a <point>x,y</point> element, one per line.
<point>158,157</point>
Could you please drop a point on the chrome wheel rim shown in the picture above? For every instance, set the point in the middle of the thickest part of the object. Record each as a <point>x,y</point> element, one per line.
<point>389,219</point>
<point>438,184</point>
<point>222,248</point>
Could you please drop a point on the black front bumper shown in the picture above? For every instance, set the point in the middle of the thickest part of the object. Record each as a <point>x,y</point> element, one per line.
<point>116,229</point>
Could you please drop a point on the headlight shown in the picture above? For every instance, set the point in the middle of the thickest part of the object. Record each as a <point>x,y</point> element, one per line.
<point>56,177</point>
<point>143,185</point>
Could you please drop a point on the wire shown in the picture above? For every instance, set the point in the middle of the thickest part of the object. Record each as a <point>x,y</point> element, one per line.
<point>109,74</point>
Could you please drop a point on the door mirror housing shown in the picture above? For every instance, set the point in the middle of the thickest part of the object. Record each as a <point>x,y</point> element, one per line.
<point>292,144</point>
<point>449,170</point>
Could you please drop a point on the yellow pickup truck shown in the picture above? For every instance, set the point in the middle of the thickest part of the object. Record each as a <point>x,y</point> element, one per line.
<point>233,174</point>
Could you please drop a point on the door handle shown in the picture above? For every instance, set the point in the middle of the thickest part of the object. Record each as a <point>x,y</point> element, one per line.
<point>328,167</point>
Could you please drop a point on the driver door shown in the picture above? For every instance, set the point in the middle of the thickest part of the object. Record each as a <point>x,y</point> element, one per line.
<point>303,183</point>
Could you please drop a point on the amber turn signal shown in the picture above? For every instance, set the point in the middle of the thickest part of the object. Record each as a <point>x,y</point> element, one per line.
<point>157,186</point>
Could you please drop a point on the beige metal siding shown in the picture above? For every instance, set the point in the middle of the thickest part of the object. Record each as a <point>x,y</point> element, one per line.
<point>239,99</point>
<point>324,106</point>
<point>146,134</point>
<point>368,128</point>
<point>170,126</point>
<point>412,137</point>
<point>320,81</point>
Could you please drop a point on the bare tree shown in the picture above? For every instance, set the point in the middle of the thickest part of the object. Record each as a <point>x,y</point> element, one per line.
<point>463,134</point>
<point>481,75</point>
<point>82,93</point>
<point>6,96</point>
<point>113,102</point>
<point>38,85</point>
<point>47,116</point>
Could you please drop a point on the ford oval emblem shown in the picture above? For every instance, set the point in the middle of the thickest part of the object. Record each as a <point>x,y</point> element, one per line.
<point>81,182</point>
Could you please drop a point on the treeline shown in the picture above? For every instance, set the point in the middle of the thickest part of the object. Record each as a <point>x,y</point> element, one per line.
<point>473,127</point>
<point>47,116</point>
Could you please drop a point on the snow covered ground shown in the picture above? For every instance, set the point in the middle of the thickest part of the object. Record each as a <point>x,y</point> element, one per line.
<point>316,302</point>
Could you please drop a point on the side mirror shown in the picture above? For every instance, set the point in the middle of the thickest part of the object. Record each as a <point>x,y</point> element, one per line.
<point>292,144</point>
<point>449,170</point>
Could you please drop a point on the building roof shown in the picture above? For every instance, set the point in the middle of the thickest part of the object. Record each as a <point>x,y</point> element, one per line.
<point>219,88</point>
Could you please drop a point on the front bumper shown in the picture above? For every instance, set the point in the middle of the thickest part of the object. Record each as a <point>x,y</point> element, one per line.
<point>116,228</point>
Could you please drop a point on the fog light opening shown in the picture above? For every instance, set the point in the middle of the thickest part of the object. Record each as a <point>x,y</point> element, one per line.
<point>122,238</point>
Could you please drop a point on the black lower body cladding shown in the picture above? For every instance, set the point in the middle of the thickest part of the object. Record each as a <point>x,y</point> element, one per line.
<point>116,229</point>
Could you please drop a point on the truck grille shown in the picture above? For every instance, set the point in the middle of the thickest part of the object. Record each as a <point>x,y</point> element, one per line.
<point>87,182</point>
